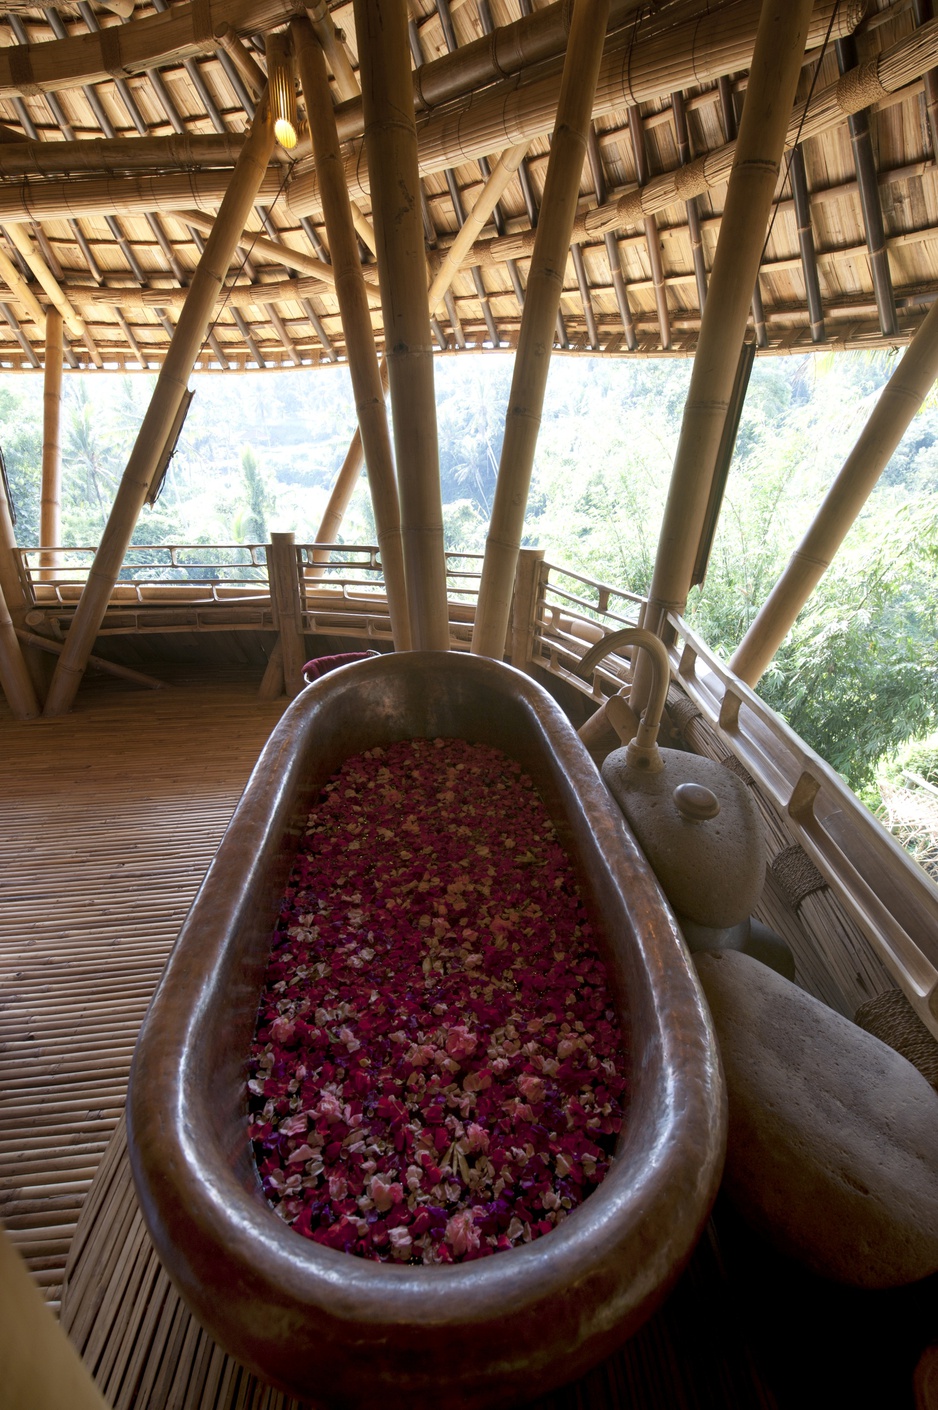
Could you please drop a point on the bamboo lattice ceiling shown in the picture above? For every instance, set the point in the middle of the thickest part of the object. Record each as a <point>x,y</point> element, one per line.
<point>121,124</point>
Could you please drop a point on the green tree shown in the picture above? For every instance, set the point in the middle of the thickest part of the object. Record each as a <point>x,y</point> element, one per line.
<point>250,523</point>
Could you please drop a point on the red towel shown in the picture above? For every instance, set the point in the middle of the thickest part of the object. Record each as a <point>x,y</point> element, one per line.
<point>323,664</point>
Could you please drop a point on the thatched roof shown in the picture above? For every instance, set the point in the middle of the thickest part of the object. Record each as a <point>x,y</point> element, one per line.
<point>121,130</point>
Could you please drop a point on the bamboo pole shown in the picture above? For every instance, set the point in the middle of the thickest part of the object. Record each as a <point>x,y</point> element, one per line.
<point>776,66</point>
<point>111,154</point>
<point>391,147</point>
<point>799,191</point>
<point>503,173</point>
<point>276,249</point>
<point>41,1368</point>
<point>899,400</point>
<point>47,279</point>
<point>22,292</point>
<point>865,166</point>
<point>11,585</point>
<point>653,244</point>
<point>356,323</point>
<point>50,530</point>
<point>541,306</point>
<point>682,140</point>
<point>14,673</point>
<point>112,668</point>
<point>184,347</point>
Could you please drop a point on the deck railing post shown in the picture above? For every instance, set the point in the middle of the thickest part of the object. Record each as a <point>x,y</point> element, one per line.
<point>287,606</point>
<point>525,605</point>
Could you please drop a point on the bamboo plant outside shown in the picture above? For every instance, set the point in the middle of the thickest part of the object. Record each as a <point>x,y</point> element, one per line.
<point>188,338</point>
<point>541,306</point>
<point>899,400</point>
<point>391,146</point>
<point>356,322</point>
<point>50,519</point>
<point>773,77</point>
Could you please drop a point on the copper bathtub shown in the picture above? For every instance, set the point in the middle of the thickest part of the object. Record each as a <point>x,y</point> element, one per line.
<point>338,1329</point>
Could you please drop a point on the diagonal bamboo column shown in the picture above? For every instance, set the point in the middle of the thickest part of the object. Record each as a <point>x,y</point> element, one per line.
<point>541,306</point>
<point>899,400</point>
<point>356,322</point>
<point>773,77</point>
<point>50,515</point>
<point>391,147</point>
<point>188,337</point>
<point>15,679</point>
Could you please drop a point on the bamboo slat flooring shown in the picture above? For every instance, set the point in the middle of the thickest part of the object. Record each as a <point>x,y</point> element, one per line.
<point>109,817</point>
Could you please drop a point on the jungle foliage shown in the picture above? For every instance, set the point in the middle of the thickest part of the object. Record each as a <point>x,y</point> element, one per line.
<point>858,675</point>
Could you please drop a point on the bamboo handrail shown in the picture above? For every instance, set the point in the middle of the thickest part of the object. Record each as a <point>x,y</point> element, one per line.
<point>188,337</point>
<point>542,304</point>
<point>391,148</point>
<point>776,67</point>
<point>50,514</point>
<point>356,323</point>
<point>898,402</point>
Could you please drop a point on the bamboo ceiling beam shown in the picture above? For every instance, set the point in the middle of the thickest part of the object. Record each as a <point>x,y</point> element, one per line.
<point>541,306</point>
<point>865,165</point>
<point>637,135</point>
<point>730,129</point>
<point>631,73</point>
<point>799,191</point>
<point>356,324</point>
<point>107,155</point>
<point>47,279</point>
<point>923,11</point>
<point>187,341</point>
<point>898,402</point>
<point>182,32</point>
<point>894,69</point>
<point>391,149</point>
<point>776,67</point>
<point>10,317</point>
<point>612,245</point>
<point>276,249</point>
<point>682,142</point>
<point>22,292</point>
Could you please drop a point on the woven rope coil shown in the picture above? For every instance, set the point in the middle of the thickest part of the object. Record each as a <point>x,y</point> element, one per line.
<point>690,180</point>
<point>735,767</point>
<point>681,710</point>
<point>860,88</point>
<point>891,1018</point>
<point>797,875</point>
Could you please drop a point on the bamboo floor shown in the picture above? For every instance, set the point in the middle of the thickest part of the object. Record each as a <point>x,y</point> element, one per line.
<point>110,817</point>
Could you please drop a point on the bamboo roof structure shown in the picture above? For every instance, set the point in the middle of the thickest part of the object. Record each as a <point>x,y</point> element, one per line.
<point>119,133</point>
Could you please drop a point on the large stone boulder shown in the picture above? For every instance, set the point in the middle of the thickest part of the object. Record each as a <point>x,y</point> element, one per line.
<point>833,1137</point>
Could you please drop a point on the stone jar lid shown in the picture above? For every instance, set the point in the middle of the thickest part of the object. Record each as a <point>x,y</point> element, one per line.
<point>700,829</point>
